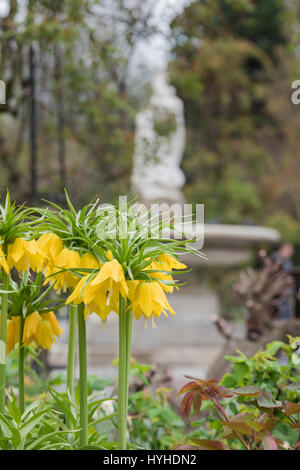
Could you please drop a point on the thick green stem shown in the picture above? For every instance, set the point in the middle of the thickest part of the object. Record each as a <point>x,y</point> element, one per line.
<point>3,338</point>
<point>21,368</point>
<point>82,376</point>
<point>71,351</point>
<point>125,322</point>
<point>128,349</point>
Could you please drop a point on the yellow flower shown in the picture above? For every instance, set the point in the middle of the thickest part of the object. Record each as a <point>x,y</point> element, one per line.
<point>111,277</point>
<point>76,296</point>
<point>41,329</point>
<point>95,300</point>
<point>17,323</point>
<point>101,295</point>
<point>31,325</point>
<point>66,259</point>
<point>169,263</point>
<point>51,245</point>
<point>155,265</point>
<point>132,285</point>
<point>12,333</point>
<point>3,262</point>
<point>99,309</point>
<point>165,262</point>
<point>148,299</point>
<point>51,318</point>
<point>10,338</point>
<point>44,335</point>
<point>89,261</point>
<point>23,254</point>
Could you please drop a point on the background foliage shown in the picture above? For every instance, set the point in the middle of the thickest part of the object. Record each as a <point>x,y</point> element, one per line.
<point>69,117</point>
<point>233,65</point>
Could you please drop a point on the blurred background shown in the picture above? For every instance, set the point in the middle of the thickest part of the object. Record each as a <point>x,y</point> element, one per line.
<point>79,74</point>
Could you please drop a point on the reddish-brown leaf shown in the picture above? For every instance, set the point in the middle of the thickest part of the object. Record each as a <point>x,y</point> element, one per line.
<point>269,442</point>
<point>240,427</point>
<point>186,447</point>
<point>209,444</point>
<point>222,391</point>
<point>188,387</point>
<point>291,408</point>
<point>186,403</point>
<point>197,401</point>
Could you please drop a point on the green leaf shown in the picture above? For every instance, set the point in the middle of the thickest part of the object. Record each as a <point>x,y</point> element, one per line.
<point>265,400</point>
<point>30,408</point>
<point>228,381</point>
<point>6,426</point>
<point>240,370</point>
<point>293,386</point>
<point>250,390</point>
<point>274,347</point>
<point>28,426</point>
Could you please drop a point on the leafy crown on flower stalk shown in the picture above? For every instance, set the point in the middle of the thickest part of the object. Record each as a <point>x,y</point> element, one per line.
<point>131,264</point>
<point>65,236</point>
<point>17,245</point>
<point>30,301</point>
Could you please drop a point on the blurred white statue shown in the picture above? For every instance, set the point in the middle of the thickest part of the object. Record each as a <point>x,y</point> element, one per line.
<point>159,145</point>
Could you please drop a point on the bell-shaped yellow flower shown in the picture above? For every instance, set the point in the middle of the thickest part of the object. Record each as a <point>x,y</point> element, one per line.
<point>44,335</point>
<point>101,295</point>
<point>95,300</point>
<point>158,275</point>
<point>12,333</point>
<point>10,336</point>
<point>165,262</point>
<point>3,262</point>
<point>89,261</point>
<point>99,309</point>
<point>51,318</point>
<point>41,329</point>
<point>148,299</point>
<point>24,254</point>
<point>77,295</point>
<point>31,325</point>
<point>17,324</point>
<point>66,259</point>
<point>111,277</point>
<point>51,245</point>
<point>168,262</point>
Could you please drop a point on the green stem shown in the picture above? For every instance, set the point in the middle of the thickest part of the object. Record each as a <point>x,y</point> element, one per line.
<point>82,376</point>
<point>71,351</point>
<point>128,348</point>
<point>125,322</point>
<point>21,368</point>
<point>3,337</point>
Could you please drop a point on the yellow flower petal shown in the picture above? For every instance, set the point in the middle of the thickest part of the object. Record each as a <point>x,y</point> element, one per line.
<point>3,261</point>
<point>17,322</point>
<point>10,336</point>
<point>51,318</point>
<point>89,261</point>
<point>31,325</point>
<point>44,335</point>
